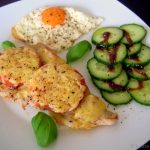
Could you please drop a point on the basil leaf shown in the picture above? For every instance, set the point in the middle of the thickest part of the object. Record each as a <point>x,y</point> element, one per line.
<point>78,51</point>
<point>7,44</point>
<point>44,128</point>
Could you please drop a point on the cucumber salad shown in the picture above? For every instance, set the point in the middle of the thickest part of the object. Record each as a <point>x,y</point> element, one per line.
<point>120,66</point>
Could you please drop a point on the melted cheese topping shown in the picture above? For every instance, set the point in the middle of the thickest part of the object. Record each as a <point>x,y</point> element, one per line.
<point>90,113</point>
<point>58,86</point>
<point>18,64</point>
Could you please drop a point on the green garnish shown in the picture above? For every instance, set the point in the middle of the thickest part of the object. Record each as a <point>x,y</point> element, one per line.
<point>44,128</point>
<point>78,51</point>
<point>7,44</point>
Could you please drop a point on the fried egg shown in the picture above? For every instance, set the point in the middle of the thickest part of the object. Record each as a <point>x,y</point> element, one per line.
<point>57,27</point>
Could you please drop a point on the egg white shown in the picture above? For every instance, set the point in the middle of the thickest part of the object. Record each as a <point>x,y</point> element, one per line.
<point>32,30</point>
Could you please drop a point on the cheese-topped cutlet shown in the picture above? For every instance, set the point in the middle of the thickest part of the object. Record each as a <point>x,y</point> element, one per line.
<point>57,86</point>
<point>37,55</point>
<point>90,113</point>
<point>17,65</point>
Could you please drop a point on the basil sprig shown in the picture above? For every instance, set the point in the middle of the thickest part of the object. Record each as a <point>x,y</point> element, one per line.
<point>44,128</point>
<point>78,51</point>
<point>7,44</point>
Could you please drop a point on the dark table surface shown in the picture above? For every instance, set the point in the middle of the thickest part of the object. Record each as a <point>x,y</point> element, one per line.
<point>140,7</point>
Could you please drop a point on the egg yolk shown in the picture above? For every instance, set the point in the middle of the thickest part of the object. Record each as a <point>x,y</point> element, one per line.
<point>53,16</point>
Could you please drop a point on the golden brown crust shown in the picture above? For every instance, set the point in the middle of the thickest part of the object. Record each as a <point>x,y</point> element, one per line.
<point>16,35</point>
<point>46,54</point>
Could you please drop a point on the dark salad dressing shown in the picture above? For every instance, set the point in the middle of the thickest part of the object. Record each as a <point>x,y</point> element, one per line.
<point>113,54</point>
<point>111,67</point>
<point>115,86</point>
<point>134,57</point>
<point>127,36</point>
<point>106,36</point>
<point>142,73</point>
<point>140,86</point>
<point>112,57</point>
<point>139,70</point>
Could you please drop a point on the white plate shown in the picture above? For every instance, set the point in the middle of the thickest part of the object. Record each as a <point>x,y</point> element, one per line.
<point>133,127</point>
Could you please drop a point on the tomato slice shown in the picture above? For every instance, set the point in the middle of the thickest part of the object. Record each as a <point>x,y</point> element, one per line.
<point>82,81</point>
<point>5,81</point>
<point>42,107</point>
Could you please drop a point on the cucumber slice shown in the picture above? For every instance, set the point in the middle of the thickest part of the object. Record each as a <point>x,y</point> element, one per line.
<point>107,36</point>
<point>141,58</point>
<point>117,98</point>
<point>134,49</point>
<point>140,91</point>
<point>112,55</point>
<point>133,33</point>
<point>140,73</point>
<point>116,84</point>
<point>102,71</point>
